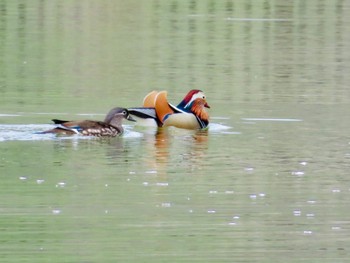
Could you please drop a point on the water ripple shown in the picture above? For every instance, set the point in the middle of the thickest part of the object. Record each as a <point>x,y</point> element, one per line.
<point>32,132</point>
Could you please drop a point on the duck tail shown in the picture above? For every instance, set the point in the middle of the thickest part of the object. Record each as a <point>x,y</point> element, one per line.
<point>56,121</point>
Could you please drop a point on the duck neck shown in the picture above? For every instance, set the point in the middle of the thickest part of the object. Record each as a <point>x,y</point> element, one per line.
<point>116,122</point>
<point>200,112</point>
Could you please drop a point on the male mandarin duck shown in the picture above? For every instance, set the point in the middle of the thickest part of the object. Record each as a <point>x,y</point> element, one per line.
<point>110,127</point>
<point>190,113</point>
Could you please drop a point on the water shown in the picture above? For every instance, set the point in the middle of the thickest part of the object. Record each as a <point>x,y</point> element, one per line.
<point>268,182</point>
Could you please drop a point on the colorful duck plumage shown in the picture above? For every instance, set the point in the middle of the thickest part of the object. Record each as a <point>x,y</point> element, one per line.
<point>190,97</point>
<point>110,127</point>
<point>198,118</point>
<point>190,113</point>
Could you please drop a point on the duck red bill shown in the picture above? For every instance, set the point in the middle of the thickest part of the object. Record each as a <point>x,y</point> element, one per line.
<point>206,105</point>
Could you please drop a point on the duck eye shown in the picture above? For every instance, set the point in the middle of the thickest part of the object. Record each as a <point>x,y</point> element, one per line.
<point>124,112</point>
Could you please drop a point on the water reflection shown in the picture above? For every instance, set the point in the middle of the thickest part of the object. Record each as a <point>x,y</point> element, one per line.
<point>169,148</point>
<point>276,187</point>
<point>262,46</point>
<point>195,143</point>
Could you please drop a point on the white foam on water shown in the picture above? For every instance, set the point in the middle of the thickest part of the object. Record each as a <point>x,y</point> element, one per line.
<point>272,119</point>
<point>130,133</point>
<point>250,19</point>
<point>9,115</point>
<point>218,127</point>
<point>32,132</point>
<point>24,132</point>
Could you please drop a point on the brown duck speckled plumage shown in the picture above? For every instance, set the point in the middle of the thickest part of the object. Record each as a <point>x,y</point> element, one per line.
<point>110,127</point>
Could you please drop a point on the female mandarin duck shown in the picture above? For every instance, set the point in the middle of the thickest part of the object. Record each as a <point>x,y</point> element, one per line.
<point>190,113</point>
<point>110,127</point>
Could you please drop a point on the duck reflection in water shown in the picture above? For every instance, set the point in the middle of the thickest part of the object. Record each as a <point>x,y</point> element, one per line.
<point>177,146</point>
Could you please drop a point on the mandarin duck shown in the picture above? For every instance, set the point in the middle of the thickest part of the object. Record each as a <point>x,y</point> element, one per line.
<point>110,127</point>
<point>190,113</point>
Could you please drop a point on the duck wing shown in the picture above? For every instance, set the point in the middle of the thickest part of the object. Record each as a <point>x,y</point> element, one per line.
<point>61,130</point>
<point>65,127</point>
<point>79,126</point>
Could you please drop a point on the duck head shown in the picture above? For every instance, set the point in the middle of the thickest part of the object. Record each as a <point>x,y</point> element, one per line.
<point>116,115</point>
<point>191,96</point>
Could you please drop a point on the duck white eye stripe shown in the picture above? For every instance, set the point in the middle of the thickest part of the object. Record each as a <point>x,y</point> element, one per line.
<point>195,96</point>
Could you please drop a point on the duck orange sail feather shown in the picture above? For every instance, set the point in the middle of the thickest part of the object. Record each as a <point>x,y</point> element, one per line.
<point>149,99</point>
<point>162,107</point>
